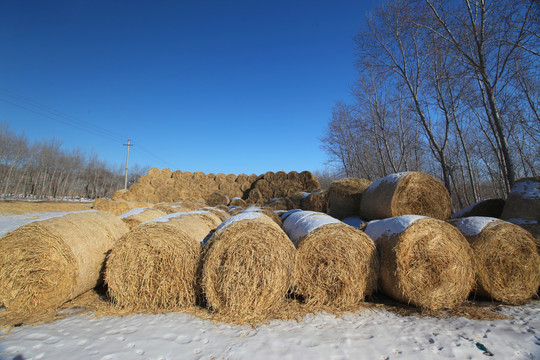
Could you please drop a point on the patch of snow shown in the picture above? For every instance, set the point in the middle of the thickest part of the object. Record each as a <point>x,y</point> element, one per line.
<point>354,222</point>
<point>253,209</point>
<point>392,178</point>
<point>300,224</point>
<point>240,217</point>
<point>132,212</point>
<point>168,217</point>
<point>386,227</point>
<point>527,189</point>
<point>11,222</point>
<point>236,198</point>
<point>518,221</point>
<point>473,225</point>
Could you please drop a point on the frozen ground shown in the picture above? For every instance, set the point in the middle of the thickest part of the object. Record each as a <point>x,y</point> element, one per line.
<point>371,334</point>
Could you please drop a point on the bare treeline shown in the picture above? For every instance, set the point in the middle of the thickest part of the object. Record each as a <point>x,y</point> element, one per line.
<point>43,170</point>
<point>451,88</point>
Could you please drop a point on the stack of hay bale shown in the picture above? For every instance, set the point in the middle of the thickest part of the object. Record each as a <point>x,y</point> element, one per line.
<point>172,186</point>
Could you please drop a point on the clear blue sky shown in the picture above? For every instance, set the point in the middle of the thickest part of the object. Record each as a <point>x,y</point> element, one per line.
<point>214,86</point>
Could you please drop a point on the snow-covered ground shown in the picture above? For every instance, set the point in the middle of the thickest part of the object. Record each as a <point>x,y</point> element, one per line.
<point>368,334</point>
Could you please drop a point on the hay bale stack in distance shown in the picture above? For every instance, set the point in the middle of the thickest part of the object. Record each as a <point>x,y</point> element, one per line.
<point>523,202</point>
<point>344,197</point>
<point>279,204</point>
<point>46,263</point>
<point>506,261</point>
<point>336,264</point>
<point>153,268</point>
<point>247,266</point>
<point>423,261</point>
<point>136,216</point>
<point>407,193</point>
<point>486,208</point>
<point>118,207</point>
<point>119,194</point>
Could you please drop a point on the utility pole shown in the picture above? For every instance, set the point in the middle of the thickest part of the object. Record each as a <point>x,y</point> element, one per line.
<point>127,161</point>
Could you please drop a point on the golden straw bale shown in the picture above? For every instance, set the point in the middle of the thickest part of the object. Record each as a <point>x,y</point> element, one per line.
<point>291,187</point>
<point>238,202</point>
<point>119,194</point>
<point>269,176</point>
<point>266,211</point>
<point>523,202</point>
<point>265,188</point>
<point>252,178</point>
<point>117,207</point>
<point>176,174</point>
<point>141,189</point>
<point>255,197</point>
<point>294,176</point>
<point>221,178</point>
<point>158,182</point>
<point>198,176</point>
<point>165,173</point>
<point>423,261</point>
<point>506,260</point>
<point>187,176</point>
<point>153,268</point>
<point>247,267</point>
<point>244,186</point>
<point>309,181</point>
<point>336,264</point>
<point>487,208</point>
<point>280,176</point>
<point>137,216</point>
<point>221,213</point>
<point>231,177</point>
<point>217,198</point>
<point>344,197</point>
<point>532,226</point>
<point>153,172</point>
<point>169,208</point>
<point>242,178</point>
<point>316,201</point>
<point>211,177</point>
<point>279,204</point>
<point>145,180</point>
<point>235,210</point>
<point>408,193</point>
<point>298,198</point>
<point>210,219</point>
<point>46,263</point>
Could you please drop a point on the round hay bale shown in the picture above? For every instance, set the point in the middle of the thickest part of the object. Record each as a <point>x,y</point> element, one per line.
<point>231,177</point>
<point>153,172</point>
<point>523,202</point>
<point>255,197</point>
<point>176,174</point>
<point>336,264</point>
<point>315,201</point>
<point>211,177</point>
<point>244,186</point>
<point>532,226</point>
<point>309,181</point>
<point>268,212</point>
<point>280,176</point>
<point>486,208</point>
<point>198,176</point>
<point>298,198</point>
<point>217,198</point>
<point>269,176</point>
<point>424,262</point>
<point>242,178</point>
<point>153,268</point>
<point>143,189</point>
<point>408,193</point>
<point>247,267</point>
<point>46,263</point>
<point>221,213</point>
<point>252,178</point>
<point>344,197</point>
<point>221,178</point>
<point>158,182</point>
<point>506,261</point>
<point>209,218</point>
<point>265,189</point>
<point>279,204</point>
<point>119,194</point>
<point>235,210</point>
<point>117,207</point>
<point>294,176</point>
<point>238,202</point>
<point>165,173</point>
<point>144,180</point>
<point>136,216</point>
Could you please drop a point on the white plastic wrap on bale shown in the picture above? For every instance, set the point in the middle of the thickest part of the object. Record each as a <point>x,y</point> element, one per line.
<point>298,227</point>
<point>240,217</point>
<point>132,212</point>
<point>11,222</point>
<point>378,228</point>
<point>392,178</point>
<point>473,225</point>
<point>354,222</point>
<point>527,189</point>
<point>168,217</point>
<point>292,216</point>
<point>252,209</point>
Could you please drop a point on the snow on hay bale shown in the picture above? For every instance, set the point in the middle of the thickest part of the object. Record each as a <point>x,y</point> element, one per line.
<point>507,264</point>
<point>408,193</point>
<point>524,200</point>
<point>344,197</point>
<point>336,264</point>
<point>238,202</point>
<point>423,261</point>
<point>154,266</point>
<point>217,198</point>
<point>46,263</point>
<point>488,208</point>
<point>220,213</point>
<point>137,216</point>
<point>247,266</point>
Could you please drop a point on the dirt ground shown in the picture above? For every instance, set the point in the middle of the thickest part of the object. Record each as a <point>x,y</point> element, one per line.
<point>15,207</point>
